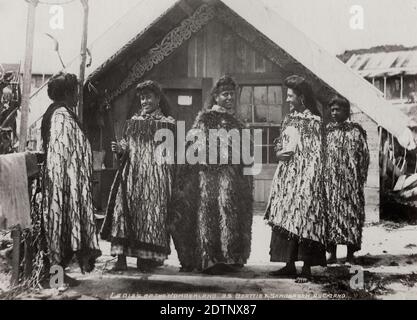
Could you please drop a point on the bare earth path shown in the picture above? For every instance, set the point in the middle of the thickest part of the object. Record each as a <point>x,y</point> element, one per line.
<point>388,260</point>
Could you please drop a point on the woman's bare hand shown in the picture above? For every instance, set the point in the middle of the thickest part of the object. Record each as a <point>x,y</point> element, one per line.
<point>118,147</point>
<point>115,147</point>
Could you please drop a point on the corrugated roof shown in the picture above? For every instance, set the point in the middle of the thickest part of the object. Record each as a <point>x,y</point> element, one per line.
<point>382,64</point>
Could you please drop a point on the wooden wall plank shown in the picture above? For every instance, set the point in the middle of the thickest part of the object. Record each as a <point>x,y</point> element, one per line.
<point>372,188</point>
<point>372,205</point>
<point>192,57</point>
<point>214,50</point>
<point>201,54</point>
<point>217,50</point>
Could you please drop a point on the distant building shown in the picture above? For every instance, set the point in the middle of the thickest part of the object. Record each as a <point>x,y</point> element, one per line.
<point>38,79</point>
<point>392,69</point>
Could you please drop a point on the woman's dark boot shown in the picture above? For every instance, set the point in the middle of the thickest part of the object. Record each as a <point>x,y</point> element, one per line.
<point>121,264</point>
<point>350,254</point>
<point>333,254</point>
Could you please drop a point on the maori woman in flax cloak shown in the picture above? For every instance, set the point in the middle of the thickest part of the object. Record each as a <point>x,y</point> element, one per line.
<point>212,232</point>
<point>137,213</point>
<point>347,164</point>
<point>295,207</point>
<point>65,200</point>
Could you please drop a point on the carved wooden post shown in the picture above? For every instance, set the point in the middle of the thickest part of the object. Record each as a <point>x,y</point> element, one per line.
<point>27,80</point>
<point>27,73</point>
<point>16,237</point>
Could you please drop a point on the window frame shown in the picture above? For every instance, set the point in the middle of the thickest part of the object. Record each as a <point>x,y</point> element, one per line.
<point>267,126</point>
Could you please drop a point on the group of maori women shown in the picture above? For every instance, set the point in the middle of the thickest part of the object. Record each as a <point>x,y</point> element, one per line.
<point>205,208</point>
<point>317,195</point>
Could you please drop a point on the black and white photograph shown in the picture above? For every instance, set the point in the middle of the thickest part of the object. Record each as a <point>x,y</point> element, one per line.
<point>208,150</point>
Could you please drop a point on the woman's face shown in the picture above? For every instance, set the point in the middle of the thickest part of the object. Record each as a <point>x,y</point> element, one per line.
<point>294,101</point>
<point>149,101</point>
<point>338,113</point>
<point>226,99</point>
<point>7,96</point>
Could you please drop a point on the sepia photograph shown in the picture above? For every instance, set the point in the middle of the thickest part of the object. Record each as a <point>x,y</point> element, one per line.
<point>208,150</point>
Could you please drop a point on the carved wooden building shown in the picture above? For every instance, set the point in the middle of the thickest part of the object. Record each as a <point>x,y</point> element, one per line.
<point>189,45</point>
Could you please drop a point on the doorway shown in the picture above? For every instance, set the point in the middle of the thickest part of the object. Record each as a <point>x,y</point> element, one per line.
<point>185,104</point>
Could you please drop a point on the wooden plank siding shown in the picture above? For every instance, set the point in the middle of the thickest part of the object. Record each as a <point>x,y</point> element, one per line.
<point>217,50</point>
<point>372,185</point>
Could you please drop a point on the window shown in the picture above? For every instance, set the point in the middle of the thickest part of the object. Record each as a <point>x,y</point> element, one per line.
<point>261,108</point>
<point>393,88</point>
<point>410,89</point>
<point>379,83</point>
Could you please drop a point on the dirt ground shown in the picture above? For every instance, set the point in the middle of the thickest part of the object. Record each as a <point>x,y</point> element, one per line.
<point>388,260</point>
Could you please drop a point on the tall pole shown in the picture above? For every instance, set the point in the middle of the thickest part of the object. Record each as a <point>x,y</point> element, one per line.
<point>27,73</point>
<point>83,61</point>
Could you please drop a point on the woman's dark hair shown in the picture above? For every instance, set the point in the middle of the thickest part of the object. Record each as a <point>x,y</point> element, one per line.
<point>154,87</point>
<point>341,102</point>
<point>58,87</point>
<point>225,83</point>
<point>302,88</point>
<point>61,85</point>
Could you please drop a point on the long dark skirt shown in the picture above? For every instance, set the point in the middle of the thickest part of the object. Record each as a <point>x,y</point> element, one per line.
<point>287,247</point>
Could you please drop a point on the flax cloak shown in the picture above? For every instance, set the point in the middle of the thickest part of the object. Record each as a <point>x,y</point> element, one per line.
<point>66,198</point>
<point>296,201</point>
<point>214,216</point>
<point>136,220</point>
<point>347,164</point>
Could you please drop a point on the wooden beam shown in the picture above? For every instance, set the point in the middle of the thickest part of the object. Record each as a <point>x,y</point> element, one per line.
<point>83,61</point>
<point>181,83</point>
<point>186,8</point>
<point>402,87</point>
<point>259,78</point>
<point>16,238</point>
<point>204,39</point>
<point>206,85</point>
<point>210,2</point>
<point>27,73</point>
